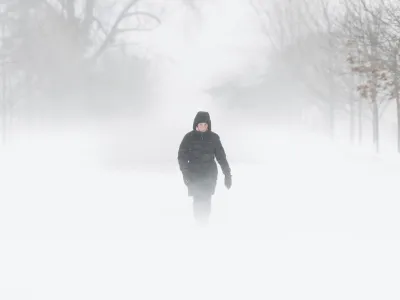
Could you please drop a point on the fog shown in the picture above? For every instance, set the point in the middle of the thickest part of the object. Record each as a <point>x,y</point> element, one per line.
<point>93,204</point>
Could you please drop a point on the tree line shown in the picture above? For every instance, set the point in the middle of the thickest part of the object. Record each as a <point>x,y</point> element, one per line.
<point>345,52</point>
<point>69,49</point>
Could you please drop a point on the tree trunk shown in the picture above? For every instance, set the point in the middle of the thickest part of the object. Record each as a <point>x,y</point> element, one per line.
<point>352,119</point>
<point>360,121</point>
<point>375,124</point>
<point>4,106</point>
<point>397,96</point>
<point>4,91</point>
<point>396,93</point>
<point>398,120</point>
<point>332,120</point>
<point>70,7</point>
<point>89,17</point>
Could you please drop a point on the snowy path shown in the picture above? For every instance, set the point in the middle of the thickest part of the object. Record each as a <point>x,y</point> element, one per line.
<point>288,229</point>
<point>265,202</point>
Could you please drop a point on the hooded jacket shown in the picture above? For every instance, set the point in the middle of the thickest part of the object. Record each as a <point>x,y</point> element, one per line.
<point>202,117</point>
<point>198,152</point>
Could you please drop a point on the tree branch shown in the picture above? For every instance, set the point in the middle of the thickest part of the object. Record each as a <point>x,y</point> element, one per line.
<point>114,29</point>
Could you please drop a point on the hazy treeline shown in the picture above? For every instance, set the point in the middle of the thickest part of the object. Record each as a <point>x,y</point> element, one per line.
<point>345,53</point>
<point>79,56</point>
<point>71,57</point>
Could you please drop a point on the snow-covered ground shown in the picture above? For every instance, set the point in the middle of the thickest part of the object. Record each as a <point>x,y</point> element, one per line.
<point>301,222</point>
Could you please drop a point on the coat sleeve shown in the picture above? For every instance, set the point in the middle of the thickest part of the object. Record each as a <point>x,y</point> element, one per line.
<point>183,155</point>
<point>220,155</point>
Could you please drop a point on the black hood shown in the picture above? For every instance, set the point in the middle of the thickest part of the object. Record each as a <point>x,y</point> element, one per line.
<point>202,117</point>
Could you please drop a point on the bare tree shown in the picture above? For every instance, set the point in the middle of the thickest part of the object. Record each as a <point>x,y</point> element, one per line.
<point>281,21</point>
<point>367,31</point>
<point>304,34</point>
<point>9,82</point>
<point>115,29</point>
<point>56,47</point>
<point>390,48</point>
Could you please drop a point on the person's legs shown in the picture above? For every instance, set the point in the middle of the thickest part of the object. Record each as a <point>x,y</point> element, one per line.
<point>202,191</point>
<point>202,208</point>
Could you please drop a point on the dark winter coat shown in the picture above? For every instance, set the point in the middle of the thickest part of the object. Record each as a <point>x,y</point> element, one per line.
<point>196,157</point>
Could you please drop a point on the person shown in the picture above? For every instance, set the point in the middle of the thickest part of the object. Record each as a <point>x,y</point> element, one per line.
<point>196,156</point>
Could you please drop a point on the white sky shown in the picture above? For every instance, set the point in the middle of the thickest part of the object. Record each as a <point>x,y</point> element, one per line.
<point>225,41</point>
<point>196,51</point>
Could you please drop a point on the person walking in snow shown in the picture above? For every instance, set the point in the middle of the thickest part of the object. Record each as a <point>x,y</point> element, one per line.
<point>196,156</point>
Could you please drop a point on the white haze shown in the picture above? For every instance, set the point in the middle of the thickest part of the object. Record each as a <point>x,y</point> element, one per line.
<point>98,210</point>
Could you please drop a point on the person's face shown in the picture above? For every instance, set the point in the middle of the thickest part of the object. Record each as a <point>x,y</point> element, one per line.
<point>202,127</point>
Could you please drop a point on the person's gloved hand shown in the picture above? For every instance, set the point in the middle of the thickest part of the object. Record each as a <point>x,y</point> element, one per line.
<point>228,181</point>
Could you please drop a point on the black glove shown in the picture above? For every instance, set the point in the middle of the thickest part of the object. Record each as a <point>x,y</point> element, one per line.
<point>228,181</point>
